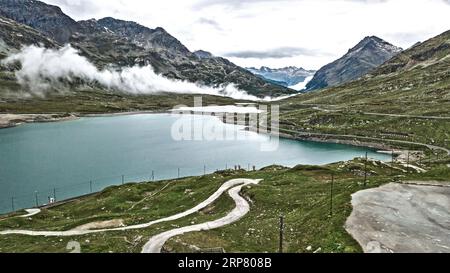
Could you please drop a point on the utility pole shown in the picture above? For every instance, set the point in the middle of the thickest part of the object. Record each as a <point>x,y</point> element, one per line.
<point>178,172</point>
<point>12,204</point>
<point>153,175</point>
<point>204,169</point>
<point>123,179</point>
<point>36,197</point>
<point>281,233</point>
<point>54,194</point>
<point>331,194</point>
<point>365,171</point>
<point>90,185</point>
<point>392,162</point>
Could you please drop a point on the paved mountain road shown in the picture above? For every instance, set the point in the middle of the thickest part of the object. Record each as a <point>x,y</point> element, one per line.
<point>155,244</point>
<point>75,232</point>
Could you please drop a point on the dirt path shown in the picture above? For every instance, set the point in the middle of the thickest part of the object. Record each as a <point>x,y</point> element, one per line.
<point>320,108</point>
<point>155,244</point>
<point>401,218</point>
<point>406,116</point>
<point>74,232</point>
<point>306,134</point>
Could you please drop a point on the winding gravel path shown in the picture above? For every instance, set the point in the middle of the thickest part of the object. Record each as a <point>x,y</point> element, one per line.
<point>155,244</point>
<point>74,232</point>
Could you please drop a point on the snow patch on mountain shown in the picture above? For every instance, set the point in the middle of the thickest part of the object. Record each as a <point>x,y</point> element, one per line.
<point>287,76</point>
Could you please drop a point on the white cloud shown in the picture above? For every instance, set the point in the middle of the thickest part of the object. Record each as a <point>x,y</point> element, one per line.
<point>228,26</point>
<point>43,69</point>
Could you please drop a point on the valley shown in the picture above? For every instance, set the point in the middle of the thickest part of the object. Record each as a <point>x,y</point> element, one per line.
<point>85,119</point>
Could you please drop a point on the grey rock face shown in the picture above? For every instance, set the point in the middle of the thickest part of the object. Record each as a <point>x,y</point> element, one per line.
<point>143,36</point>
<point>13,35</point>
<point>47,19</point>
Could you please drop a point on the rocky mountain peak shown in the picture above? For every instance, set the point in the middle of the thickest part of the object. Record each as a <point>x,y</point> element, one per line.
<point>368,54</point>
<point>374,43</point>
<point>156,39</point>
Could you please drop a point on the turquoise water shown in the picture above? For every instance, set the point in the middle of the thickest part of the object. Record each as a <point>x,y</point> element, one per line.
<point>40,160</point>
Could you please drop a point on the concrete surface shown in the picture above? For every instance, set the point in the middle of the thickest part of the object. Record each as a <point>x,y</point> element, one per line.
<point>401,218</point>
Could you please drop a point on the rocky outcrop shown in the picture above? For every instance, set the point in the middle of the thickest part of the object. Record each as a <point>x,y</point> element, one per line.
<point>203,54</point>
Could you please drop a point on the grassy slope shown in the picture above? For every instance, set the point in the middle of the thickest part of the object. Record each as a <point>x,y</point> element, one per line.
<point>97,101</point>
<point>301,194</point>
<point>416,82</point>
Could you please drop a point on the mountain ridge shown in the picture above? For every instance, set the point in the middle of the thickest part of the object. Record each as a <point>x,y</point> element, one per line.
<point>287,76</point>
<point>359,60</point>
<point>121,43</point>
<point>417,80</point>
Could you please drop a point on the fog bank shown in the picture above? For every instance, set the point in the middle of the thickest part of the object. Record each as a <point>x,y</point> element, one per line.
<point>43,69</point>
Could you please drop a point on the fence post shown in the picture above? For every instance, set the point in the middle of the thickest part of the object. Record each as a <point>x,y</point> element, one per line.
<point>331,195</point>
<point>365,171</point>
<point>407,163</point>
<point>281,233</point>
<point>12,203</point>
<point>392,162</point>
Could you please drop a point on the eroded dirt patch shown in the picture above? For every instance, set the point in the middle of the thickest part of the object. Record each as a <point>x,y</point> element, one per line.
<point>101,225</point>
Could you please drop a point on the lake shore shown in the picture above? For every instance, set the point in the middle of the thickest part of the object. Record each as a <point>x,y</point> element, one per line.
<point>13,120</point>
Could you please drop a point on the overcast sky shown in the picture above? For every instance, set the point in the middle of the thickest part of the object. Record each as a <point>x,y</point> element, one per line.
<point>276,33</point>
